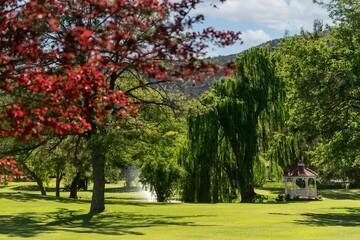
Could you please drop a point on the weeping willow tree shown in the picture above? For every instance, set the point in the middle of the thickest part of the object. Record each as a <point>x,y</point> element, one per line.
<point>285,150</point>
<point>202,132</point>
<point>207,162</point>
<point>238,108</point>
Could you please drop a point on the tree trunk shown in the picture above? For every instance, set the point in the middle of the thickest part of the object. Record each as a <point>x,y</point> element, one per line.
<point>247,193</point>
<point>59,176</point>
<point>39,183</point>
<point>98,195</point>
<point>36,178</point>
<point>204,191</point>
<point>246,180</point>
<point>74,185</point>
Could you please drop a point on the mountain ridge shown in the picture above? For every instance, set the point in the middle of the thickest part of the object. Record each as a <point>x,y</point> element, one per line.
<point>193,90</point>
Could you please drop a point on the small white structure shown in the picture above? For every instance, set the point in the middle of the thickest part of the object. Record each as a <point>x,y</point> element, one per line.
<point>300,182</point>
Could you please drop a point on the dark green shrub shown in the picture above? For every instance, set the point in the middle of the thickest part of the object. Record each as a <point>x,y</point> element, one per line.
<point>160,176</point>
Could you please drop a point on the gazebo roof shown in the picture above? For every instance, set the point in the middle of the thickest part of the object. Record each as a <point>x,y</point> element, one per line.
<point>301,171</point>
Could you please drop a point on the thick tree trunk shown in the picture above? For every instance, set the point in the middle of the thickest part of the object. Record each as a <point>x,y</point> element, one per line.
<point>246,180</point>
<point>36,178</point>
<point>247,193</point>
<point>98,195</point>
<point>245,175</point>
<point>204,191</point>
<point>74,185</point>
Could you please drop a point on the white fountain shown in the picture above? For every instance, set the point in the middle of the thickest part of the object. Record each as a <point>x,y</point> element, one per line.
<point>148,195</point>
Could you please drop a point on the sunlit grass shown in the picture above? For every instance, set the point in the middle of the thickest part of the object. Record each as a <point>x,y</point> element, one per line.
<point>27,215</point>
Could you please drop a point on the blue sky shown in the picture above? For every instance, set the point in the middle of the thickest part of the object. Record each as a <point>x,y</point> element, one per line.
<point>260,20</point>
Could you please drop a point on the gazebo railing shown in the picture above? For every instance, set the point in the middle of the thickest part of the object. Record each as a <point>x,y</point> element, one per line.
<point>301,193</point>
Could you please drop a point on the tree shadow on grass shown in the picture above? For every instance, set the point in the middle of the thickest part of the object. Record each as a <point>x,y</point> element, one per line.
<point>35,188</point>
<point>341,194</point>
<point>25,197</point>
<point>123,189</point>
<point>139,202</point>
<point>31,224</point>
<point>31,197</point>
<point>349,218</point>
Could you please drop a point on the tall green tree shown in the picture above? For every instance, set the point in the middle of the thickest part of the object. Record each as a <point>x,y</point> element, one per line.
<point>238,106</point>
<point>199,159</point>
<point>255,91</point>
<point>321,72</point>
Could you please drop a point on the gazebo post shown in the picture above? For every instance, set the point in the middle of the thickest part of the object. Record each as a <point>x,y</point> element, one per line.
<point>293,192</point>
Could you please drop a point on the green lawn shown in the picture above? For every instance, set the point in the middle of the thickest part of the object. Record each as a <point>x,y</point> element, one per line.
<point>26,214</point>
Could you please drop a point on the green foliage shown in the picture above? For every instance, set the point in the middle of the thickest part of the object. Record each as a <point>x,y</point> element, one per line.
<point>253,99</point>
<point>285,149</point>
<point>261,171</point>
<point>160,171</point>
<point>154,139</point>
<point>323,85</point>
<point>225,140</point>
<point>207,162</point>
<point>160,175</point>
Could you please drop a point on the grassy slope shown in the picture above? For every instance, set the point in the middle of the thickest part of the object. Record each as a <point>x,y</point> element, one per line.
<point>25,214</point>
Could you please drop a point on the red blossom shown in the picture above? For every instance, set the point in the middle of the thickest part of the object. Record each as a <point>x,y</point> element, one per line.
<point>61,60</point>
<point>8,169</point>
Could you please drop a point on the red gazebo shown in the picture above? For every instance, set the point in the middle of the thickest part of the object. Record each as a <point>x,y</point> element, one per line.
<point>300,182</point>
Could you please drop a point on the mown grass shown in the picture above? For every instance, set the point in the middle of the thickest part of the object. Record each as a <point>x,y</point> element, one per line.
<point>27,215</point>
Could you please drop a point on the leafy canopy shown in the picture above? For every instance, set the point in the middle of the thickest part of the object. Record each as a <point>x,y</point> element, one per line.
<point>60,60</point>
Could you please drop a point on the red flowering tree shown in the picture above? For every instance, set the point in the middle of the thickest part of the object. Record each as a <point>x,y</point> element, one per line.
<point>8,170</point>
<point>62,63</point>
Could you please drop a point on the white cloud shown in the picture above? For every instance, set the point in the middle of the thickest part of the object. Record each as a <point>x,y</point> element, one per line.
<point>278,15</point>
<point>255,37</point>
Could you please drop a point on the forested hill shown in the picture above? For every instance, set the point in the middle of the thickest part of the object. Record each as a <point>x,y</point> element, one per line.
<point>196,89</point>
<point>222,60</point>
